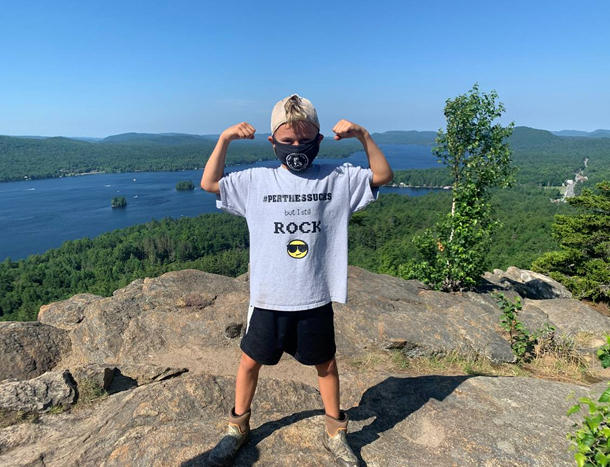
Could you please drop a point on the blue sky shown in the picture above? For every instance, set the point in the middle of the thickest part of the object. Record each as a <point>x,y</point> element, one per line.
<point>88,68</point>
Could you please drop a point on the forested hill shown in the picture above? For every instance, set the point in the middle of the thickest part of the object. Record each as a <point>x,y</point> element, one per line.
<point>542,157</point>
<point>28,158</point>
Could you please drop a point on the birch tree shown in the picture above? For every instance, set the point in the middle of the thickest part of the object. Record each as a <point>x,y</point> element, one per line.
<point>476,151</point>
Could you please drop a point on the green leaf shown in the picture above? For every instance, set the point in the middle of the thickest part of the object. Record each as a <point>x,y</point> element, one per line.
<point>575,408</point>
<point>594,422</point>
<point>580,459</point>
<point>587,441</point>
<point>605,397</point>
<point>601,459</point>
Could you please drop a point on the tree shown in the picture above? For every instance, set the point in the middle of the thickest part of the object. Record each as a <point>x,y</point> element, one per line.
<point>479,158</point>
<point>583,263</point>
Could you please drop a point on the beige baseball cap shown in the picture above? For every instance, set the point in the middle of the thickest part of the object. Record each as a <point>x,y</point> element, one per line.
<point>296,107</point>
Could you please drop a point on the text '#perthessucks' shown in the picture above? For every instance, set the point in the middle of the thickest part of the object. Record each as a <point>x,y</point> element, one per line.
<point>303,198</point>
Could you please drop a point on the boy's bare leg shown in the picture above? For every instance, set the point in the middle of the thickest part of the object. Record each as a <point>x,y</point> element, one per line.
<point>245,385</point>
<point>328,379</point>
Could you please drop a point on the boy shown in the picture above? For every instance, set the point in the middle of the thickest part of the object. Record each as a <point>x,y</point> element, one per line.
<point>297,216</point>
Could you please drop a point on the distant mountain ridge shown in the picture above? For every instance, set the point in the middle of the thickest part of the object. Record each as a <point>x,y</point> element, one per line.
<point>155,138</point>
<point>587,134</point>
<point>426,138</point>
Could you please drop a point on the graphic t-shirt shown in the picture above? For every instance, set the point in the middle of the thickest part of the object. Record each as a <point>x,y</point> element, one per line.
<point>298,230</point>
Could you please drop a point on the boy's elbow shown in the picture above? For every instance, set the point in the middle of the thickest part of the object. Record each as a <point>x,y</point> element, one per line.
<point>382,179</point>
<point>211,187</point>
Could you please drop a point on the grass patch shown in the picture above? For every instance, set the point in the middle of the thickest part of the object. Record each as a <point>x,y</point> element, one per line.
<point>455,362</point>
<point>90,392</point>
<point>56,409</point>
<point>14,417</point>
<point>370,361</point>
<point>556,359</point>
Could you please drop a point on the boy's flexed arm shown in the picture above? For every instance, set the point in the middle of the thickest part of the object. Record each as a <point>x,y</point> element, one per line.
<point>214,168</point>
<point>382,172</point>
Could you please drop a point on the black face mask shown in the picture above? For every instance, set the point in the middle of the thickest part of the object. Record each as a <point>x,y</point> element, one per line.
<point>297,158</point>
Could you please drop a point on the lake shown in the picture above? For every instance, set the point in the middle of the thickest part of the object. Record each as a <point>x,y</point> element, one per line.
<point>37,215</point>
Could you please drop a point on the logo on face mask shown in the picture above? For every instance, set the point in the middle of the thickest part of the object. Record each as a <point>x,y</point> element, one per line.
<point>297,161</point>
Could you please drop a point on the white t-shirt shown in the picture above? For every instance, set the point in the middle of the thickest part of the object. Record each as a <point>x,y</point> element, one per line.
<point>298,230</point>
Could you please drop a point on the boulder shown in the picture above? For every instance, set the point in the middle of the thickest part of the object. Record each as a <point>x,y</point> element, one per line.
<point>527,283</point>
<point>148,317</point>
<point>38,394</point>
<point>390,313</point>
<point>66,314</point>
<point>568,316</point>
<point>29,349</point>
<point>99,374</point>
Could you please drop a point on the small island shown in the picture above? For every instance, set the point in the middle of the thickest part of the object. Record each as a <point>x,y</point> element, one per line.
<point>119,202</point>
<point>185,185</point>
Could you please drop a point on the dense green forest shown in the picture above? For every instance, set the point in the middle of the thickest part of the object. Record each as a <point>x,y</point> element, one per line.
<point>380,239</point>
<point>215,243</point>
<point>381,235</point>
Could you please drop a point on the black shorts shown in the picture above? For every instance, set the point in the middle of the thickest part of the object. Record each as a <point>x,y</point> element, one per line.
<point>308,335</point>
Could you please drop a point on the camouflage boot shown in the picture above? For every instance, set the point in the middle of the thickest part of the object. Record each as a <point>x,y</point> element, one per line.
<point>335,441</point>
<point>237,433</point>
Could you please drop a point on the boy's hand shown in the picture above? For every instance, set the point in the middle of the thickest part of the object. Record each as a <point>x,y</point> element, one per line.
<point>345,129</point>
<point>240,131</point>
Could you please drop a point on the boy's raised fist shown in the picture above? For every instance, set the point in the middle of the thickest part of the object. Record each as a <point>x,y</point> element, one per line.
<point>242,130</point>
<point>346,129</point>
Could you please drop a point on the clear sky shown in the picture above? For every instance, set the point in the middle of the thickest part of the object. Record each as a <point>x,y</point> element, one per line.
<point>96,68</point>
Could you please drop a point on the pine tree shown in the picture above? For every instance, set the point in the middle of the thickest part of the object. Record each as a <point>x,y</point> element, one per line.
<point>583,263</point>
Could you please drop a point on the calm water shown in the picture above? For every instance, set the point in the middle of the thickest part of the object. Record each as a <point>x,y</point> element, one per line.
<point>41,214</point>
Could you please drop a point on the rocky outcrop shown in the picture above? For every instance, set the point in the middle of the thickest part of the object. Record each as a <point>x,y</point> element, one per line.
<point>29,349</point>
<point>396,421</point>
<point>189,310</point>
<point>159,414</point>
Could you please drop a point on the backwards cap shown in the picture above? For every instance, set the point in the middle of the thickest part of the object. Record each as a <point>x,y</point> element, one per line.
<point>293,109</point>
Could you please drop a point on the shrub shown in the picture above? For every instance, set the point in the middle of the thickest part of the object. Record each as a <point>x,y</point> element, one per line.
<point>592,439</point>
<point>522,342</point>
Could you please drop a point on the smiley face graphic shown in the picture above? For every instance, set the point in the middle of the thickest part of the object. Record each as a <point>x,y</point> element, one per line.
<point>297,249</point>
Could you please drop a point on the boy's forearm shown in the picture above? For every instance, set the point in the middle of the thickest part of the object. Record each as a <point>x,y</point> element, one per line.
<point>382,172</point>
<point>214,168</point>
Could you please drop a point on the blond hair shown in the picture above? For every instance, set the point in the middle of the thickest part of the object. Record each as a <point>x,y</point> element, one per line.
<point>294,110</point>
